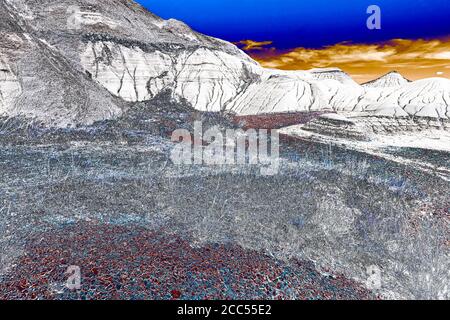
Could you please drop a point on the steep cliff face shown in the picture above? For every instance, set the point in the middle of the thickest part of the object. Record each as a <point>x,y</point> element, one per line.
<point>10,87</point>
<point>208,79</point>
<point>135,54</point>
<point>66,53</point>
<point>39,83</point>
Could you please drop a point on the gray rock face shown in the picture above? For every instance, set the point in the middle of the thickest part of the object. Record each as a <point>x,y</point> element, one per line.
<point>40,83</point>
<point>58,57</point>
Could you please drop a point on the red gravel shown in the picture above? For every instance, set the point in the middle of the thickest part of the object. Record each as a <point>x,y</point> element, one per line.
<point>134,263</point>
<point>276,120</point>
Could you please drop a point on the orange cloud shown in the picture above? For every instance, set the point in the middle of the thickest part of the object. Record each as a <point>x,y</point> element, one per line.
<point>415,59</point>
<point>249,45</point>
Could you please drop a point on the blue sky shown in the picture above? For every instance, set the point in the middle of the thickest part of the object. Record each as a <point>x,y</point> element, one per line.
<point>308,23</point>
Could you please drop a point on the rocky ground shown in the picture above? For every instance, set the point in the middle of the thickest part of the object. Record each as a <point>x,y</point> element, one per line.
<point>129,261</point>
<point>331,213</point>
